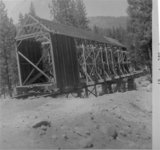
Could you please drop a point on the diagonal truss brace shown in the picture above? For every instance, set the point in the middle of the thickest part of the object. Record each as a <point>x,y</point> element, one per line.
<point>33,65</point>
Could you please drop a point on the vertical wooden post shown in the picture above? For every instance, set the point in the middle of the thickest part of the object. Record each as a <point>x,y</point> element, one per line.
<point>123,85</point>
<point>86,92</point>
<point>79,92</point>
<point>95,88</point>
<point>104,88</point>
<point>106,52</point>
<point>84,64</point>
<point>113,65</point>
<point>53,63</point>
<point>109,86</point>
<point>131,84</point>
<point>118,86</point>
<point>18,65</point>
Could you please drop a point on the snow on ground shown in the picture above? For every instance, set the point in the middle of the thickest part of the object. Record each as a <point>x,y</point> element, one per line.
<point>119,120</point>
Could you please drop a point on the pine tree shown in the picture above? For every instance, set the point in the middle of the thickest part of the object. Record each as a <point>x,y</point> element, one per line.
<point>21,18</point>
<point>140,31</point>
<point>69,12</point>
<point>7,51</point>
<point>81,15</point>
<point>59,10</point>
<point>32,9</point>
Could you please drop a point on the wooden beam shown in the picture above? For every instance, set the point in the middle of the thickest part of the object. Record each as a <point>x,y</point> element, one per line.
<point>29,25</point>
<point>53,63</point>
<point>18,65</point>
<point>35,85</point>
<point>32,35</point>
<point>113,67</point>
<point>32,70</point>
<point>34,65</point>
<point>40,23</point>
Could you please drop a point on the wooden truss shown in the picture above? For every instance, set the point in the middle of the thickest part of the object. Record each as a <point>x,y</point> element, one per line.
<point>32,29</point>
<point>100,62</point>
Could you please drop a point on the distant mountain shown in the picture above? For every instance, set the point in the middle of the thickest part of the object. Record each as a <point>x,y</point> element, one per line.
<point>42,10</point>
<point>108,22</point>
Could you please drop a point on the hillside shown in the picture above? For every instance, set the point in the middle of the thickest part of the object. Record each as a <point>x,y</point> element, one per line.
<point>108,22</point>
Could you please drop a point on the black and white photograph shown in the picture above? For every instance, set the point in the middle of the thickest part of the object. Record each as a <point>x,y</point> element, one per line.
<point>77,74</point>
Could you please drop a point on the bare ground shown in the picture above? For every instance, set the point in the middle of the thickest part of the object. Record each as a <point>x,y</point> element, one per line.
<point>118,121</point>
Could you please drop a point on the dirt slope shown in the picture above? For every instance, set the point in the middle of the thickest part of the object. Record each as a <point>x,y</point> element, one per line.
<point>120,120</point>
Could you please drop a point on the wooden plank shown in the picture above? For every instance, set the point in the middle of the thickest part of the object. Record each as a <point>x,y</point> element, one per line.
<point>35,78</point>
<point>18,65</point>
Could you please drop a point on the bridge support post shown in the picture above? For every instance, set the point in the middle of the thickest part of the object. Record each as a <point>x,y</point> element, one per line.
<point>124,85</point>
<point>109,87</point>
<point>86,92</point>
<point>119,85</point>
<point>104,88</point>
<point>95,88</point>
<point>131,84</point>
<point>79,93</point>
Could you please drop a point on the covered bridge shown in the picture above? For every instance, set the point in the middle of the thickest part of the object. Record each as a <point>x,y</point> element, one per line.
<point>56,57</point>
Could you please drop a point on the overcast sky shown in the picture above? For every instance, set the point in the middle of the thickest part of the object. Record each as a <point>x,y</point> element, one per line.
<point>93,7</point>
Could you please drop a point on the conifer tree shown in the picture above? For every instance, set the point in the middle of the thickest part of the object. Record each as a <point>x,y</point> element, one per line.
<point>81,15</point>
<point>7,52</point>
<point>32,9</point>
<point>21,18</point>
<point>140,31</point>
<point>70,12</point>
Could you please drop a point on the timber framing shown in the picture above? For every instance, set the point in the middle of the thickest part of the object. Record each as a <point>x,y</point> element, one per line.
<point>100,59</point>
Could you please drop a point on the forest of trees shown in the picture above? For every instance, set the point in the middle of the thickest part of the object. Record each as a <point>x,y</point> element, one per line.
<point>137,37</point>
<point>70,12</point>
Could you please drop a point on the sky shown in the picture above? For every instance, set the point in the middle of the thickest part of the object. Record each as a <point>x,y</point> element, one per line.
<point>93,7</point>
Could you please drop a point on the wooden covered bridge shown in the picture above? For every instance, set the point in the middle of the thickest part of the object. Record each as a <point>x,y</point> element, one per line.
<point>55,58</point>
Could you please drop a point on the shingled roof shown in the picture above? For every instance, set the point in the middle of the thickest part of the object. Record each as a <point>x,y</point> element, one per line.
<point>76,32</point>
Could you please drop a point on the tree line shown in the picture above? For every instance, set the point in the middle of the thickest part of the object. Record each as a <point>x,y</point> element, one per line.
<point>137,37</point>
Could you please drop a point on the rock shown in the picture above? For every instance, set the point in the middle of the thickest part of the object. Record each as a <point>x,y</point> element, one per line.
<point>122,133</point>
<point>86,143</point>
<point>119,117</point>
<point>44,128</point>
<point>112,132</point>
<point>149,137</point>
<point>42,123</point>
<point>42,132</point>
<point>129,126</point>
<point>80,131</point>
<point>92,118</point>
<point>88,133</point>
<point>106,110</point>
<point>89,146</point>
<point>65,137</point>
